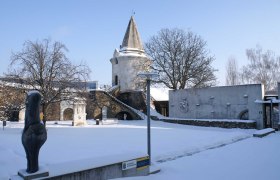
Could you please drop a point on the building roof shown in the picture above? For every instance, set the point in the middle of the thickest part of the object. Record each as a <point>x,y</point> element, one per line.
<point>160,94</point>
<point>131,40</point>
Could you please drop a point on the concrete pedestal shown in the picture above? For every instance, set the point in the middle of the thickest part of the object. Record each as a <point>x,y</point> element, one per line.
<point>43,172</point>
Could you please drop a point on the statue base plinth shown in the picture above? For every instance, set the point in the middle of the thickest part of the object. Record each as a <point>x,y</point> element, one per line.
<point>42,172</point>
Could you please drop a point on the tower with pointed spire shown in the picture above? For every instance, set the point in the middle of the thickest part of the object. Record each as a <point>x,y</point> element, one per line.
<point>129,60</point>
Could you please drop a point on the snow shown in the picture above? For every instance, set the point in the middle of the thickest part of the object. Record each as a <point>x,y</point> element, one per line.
<point>130,52</point>
<point>153,112</point>
<point>264,131</point>
<point>160,94</point>
<point>250,159</point>
<point>89,163</point>
<point>181,151</point>
<point>32,92</point>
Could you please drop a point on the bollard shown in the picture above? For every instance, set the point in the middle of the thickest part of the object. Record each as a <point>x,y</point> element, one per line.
<point>4,124</point>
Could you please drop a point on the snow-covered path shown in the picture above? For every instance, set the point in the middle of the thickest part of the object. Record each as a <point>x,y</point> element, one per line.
<point>66,144</point>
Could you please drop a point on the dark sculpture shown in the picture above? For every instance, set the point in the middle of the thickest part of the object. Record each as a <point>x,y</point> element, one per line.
<point>34,133</point>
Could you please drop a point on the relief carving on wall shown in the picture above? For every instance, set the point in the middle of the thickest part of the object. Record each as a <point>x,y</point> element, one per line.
<point>184,105</point>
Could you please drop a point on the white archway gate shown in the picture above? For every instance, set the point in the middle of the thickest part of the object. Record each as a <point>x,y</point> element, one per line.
<point>79,110</point>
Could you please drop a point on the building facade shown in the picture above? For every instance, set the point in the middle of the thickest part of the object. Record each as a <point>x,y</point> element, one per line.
<point>225,102</point>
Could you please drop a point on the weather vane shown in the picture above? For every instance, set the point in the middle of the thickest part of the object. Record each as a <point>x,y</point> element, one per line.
<point>133,13</point>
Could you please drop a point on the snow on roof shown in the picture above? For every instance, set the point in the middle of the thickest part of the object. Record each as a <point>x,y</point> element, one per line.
<point>32,92</point>
<point>160,94</point>
<point>131,52</point>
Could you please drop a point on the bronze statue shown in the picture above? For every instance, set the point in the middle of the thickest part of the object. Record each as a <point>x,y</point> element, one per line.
<point>34,133</point>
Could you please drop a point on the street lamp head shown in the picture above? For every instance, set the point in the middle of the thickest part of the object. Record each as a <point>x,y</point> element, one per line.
<point>147,75</point>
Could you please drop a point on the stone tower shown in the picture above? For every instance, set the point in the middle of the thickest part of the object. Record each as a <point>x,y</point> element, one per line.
<point>129,60</point>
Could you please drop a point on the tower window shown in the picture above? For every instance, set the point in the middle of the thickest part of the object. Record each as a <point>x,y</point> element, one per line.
<point>116,80</point>
<point>117,62</point>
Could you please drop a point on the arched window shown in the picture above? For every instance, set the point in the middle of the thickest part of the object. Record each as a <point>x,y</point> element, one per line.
<point>244,115</point>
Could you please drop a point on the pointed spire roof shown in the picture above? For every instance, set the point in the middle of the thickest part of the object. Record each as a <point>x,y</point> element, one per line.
<point>131,40</point>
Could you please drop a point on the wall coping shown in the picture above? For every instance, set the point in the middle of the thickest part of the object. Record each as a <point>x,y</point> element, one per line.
<point>263,132</point>
<point>210,120</point>
<point>91,163</point>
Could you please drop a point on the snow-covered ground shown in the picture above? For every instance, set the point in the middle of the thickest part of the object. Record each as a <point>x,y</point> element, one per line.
<point>250,159</point>
<point>182,152</point>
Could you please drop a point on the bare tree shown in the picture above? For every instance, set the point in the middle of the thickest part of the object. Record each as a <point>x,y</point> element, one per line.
<point>181,59</point>
<point>232,74</point>
<point>43,66</point>
<point>263,67</point>
<point>141,66</point>
<point>96,101</point>
<point>11,100</point>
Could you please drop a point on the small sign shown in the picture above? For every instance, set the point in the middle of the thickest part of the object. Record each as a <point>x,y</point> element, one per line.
<point>143,163</point>
<point>129,164</point>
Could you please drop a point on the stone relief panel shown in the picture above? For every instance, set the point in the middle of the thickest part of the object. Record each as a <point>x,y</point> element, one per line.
<point>184,105</point>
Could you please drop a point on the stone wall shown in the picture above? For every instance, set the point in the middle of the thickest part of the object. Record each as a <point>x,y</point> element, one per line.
<point>115,108</point>
<point>53,111</point>
<point>242,124</point>
<point>135,99</point>
<point>226,102</point>
<point>101,168</point>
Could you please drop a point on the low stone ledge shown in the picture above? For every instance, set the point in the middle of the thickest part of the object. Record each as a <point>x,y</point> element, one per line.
<point>101,168</point>
<point>227,123</point>
<point>263,132</point>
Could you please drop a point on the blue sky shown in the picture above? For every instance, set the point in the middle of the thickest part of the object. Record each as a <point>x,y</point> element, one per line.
<point>91,30</point>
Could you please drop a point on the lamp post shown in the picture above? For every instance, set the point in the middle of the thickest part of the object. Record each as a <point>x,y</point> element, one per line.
<point>148,76</point>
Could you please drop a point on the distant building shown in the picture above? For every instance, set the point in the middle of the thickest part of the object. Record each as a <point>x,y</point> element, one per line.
<point>89,85</point>
<point>71,109</point>
<point>92,85</point>
<point>241,102</point>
